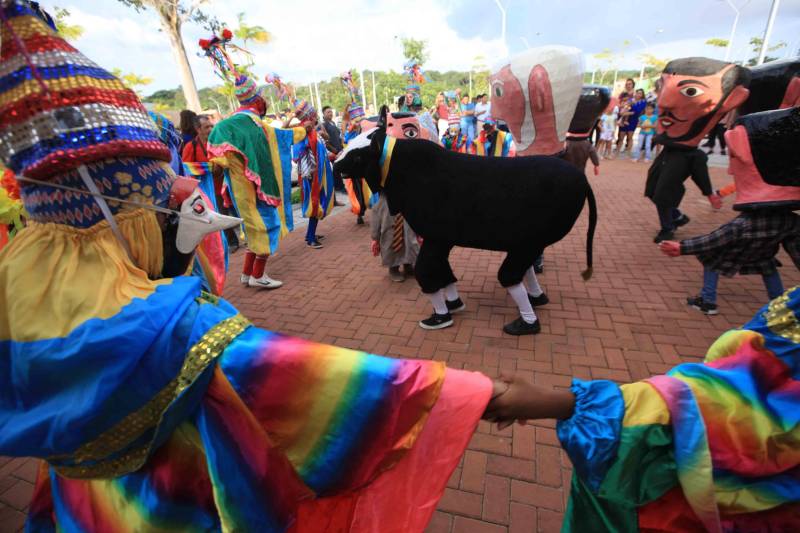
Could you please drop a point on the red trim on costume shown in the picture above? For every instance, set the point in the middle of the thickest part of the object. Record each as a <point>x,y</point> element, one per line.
<point>34,45</point>
<point>259,265</point>
<point>312,145</point>
<point>249,259</point>
<point>63,161</point>
<point>32,105</point>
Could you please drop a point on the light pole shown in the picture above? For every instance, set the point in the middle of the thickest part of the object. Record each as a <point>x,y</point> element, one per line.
<point>738,11</point>
<point>502,20</point>
<point>646,47</point>
<point>525,42</point>
<point>768,31</point>
<point>374,100</point>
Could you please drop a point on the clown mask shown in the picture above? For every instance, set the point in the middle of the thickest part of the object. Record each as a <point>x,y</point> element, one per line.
<point>695,94</point>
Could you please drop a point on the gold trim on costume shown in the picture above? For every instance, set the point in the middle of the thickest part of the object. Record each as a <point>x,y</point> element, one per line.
<point>781,320</point>
<point>148,417</point>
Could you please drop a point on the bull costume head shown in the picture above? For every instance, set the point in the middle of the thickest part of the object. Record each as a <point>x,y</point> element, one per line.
<point>594,99</point>
<point>695,93</point>
<point>86,152</point>
<point>535,93</point>
<point>765,161</point>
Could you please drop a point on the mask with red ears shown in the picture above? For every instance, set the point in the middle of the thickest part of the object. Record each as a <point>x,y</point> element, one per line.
<point>765,160</point>
<point>695,93</point>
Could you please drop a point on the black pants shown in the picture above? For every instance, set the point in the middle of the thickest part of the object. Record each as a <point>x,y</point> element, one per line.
<point>338,182</point>
<point>516,263</point>
<point>433,270</point>
<point>718,133</point>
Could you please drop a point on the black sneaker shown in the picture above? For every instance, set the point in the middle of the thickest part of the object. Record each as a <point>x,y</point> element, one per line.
<point>360,221</point>
<point>701,305</point>
<point>320,237</point>
<point>538,269</point>
<point>724,152</point>
<point>520,327</point>
<point>664,235</point>
<point>456,306</point>
<point>314,244</point>
<point>681,221</point>
<point>437,321</point>
<point>537,301</point>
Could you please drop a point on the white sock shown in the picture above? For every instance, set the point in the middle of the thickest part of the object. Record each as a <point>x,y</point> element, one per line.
<point>520,296</point>
<point>533,283</point>
<point>451,292</point>
<point>437,299</point>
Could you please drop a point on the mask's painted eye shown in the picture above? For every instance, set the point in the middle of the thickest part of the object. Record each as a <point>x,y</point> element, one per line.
<point>410,131</point>
<point>498,90</point>
<point>692,92</point>
<point>199,208</point>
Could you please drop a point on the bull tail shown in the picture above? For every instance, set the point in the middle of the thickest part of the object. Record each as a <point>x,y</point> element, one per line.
<point>587,274</point>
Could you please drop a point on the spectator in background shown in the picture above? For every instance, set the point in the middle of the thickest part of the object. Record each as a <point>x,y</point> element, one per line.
<point>627,130</point>
<point>468,119</point>
<point>187,126</point>
<point>196,151</point>
<point>608,125</point>
<point>441,113</point>
<point>333,142</point>
<point>647,130</point>
<point>482,110</point>
<point>630,86</point>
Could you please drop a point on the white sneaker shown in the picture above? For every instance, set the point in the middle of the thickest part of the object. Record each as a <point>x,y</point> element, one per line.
<point>265,282</point>
<point>244,279</point>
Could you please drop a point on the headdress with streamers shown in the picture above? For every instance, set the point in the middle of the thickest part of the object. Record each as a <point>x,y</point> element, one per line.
<point>283,90</point>
<point>415,75</point>
<point>354,109</point>
<point>216,50</point>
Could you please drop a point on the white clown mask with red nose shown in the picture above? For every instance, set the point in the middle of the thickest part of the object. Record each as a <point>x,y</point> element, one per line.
<point>536,93</point>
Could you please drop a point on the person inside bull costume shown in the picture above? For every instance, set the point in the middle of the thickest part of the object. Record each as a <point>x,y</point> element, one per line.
<point>695,93</point>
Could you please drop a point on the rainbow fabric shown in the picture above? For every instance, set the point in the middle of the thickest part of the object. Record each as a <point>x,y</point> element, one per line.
<point>58,109</point>
<point>708,447</point>
<point>211,257</point>
<point>317,192</point>
<point>253,153</point>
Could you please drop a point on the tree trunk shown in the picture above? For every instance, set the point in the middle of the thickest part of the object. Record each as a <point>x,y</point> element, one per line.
<point>179,52</point>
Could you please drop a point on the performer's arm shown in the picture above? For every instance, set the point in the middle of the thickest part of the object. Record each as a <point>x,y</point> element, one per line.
<point>516,399</point>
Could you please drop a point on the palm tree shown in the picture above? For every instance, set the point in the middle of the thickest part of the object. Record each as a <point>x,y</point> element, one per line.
<point>246,33</point>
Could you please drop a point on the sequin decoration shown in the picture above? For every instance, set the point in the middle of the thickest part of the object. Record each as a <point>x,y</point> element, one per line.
<point>119,451</point>
<point>781,320</point>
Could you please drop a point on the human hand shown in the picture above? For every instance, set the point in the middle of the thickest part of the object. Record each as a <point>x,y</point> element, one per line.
<point>596,171</point>
<point>670,248</point>
<point>715,200</point>
<point>376,248</point>
<point>511,399</point>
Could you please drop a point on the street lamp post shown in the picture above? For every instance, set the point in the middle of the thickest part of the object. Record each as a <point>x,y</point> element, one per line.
<point>768,31</point>
<point>646,47</point>
<point>737,11</point>
<point>502,20</point>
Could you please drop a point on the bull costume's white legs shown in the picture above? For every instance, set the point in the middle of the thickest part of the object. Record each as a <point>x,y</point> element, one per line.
<point>532,282</point>
<point>520,297</point>
<point>451,293</point>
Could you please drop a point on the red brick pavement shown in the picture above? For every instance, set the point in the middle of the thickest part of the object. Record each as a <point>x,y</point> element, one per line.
<point>627,323</point>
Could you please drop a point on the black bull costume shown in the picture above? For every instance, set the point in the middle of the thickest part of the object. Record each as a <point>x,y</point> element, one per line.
<point>516,205</point>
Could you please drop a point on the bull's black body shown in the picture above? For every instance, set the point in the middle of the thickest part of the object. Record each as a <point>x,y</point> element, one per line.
<point>517,205</point>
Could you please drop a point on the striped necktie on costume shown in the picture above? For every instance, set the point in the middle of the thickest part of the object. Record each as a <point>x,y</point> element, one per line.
<point>398,239</point>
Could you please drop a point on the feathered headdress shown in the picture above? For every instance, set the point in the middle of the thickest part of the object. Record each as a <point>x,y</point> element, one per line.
<point>283,90</point>
<point>416,76</point>
<point>354,109</point>
<point>216,50</point>
<point>302,109</point>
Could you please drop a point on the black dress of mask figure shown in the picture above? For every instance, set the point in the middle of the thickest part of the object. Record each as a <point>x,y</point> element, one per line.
<point>175,263</point>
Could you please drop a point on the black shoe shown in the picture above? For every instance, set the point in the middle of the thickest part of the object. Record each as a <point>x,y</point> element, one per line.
<point>437,321</point>
<point>320,237</point>
<point>681,221</point>
<point>664,235</point>
<point>408,270</point>
<point>396,275</point>
<point>723,152</point>
<point>538,301</point>
<point>360,221</point>
<point>314,244</point>
<point>538,269</point>
<point>520,327</point>
<point>701,305</point>
<point>456,306</point>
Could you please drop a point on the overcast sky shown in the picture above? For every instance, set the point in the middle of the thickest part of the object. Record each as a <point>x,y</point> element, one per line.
<point>320,38</point>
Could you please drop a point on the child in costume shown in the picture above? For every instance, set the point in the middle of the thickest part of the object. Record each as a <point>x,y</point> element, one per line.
<point>764,161</point>
<point>493,142</point>
<point>257,162</point>
<point>394,240</point>
<point>158,406</point>
<point>357,189</point>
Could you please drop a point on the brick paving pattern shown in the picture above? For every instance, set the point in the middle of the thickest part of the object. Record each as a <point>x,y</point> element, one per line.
<point>627,323</point>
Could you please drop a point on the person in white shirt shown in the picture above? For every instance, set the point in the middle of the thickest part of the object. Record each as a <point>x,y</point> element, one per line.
<point>483,110</point>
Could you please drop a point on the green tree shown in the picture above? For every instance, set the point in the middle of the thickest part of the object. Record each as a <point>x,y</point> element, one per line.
<point>246,32</point>
<point>653,65</point>
<point>719,43</point>
<point>70,32</point>
<point>173,14</point>
<point>415,49</point>
<point>131,80</point>
<point>755,44</point>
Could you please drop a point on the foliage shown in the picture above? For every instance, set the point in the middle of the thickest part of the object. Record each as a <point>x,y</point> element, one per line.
<point>755,48</point>
<point>174,13</point>
<point>131,80</point>
<point>719,43</point>
<point>246,32</point>
<point>70,32</point>
<point>415,49</point>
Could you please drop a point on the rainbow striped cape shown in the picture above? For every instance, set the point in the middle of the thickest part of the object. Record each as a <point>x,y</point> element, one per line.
<point>706,447</point>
